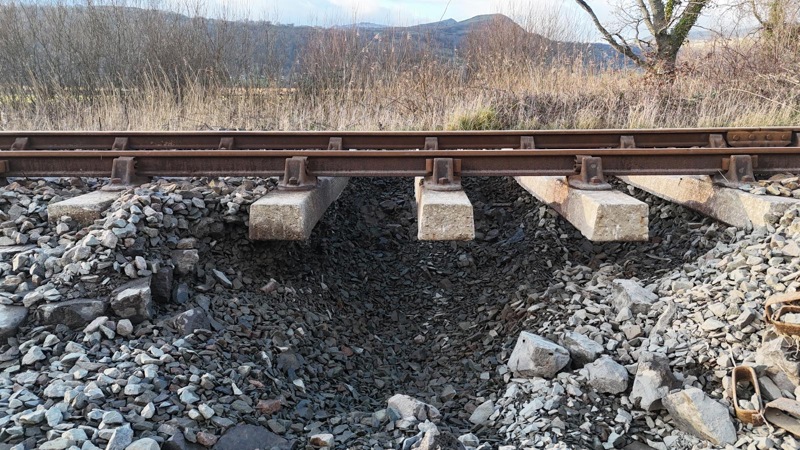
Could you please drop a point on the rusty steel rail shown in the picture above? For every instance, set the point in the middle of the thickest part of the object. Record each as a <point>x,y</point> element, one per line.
<point>388,163</point>
<point>586,155</point>
<point>452,140</point>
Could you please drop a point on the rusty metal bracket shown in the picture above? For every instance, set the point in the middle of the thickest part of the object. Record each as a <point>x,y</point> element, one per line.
<point>296,176</point>
<point>591,176</point>
<point>443,174</point>
<point>123,174</point>
<point>335,143</point>
<point>746,374</point>
<point>739,171</point>
<point>431,143</point>
<point>785,304</point>
<point>20,144</point>
<point>3,166</point>
<point>716,140</point>
<point>770,138</point>
<point>227,143</point>
<point>627,142</point>
<point>120,143</point>
<point>527,143</point>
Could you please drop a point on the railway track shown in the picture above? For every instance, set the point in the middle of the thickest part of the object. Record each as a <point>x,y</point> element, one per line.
<point>307,161</point>
<point>508,153</point>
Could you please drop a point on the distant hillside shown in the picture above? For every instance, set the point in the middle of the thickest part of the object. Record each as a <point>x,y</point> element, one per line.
<point>88,46</point>
<point>451,35</point>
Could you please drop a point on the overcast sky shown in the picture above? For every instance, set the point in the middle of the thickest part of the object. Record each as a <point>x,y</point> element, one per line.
<point>393,12</point>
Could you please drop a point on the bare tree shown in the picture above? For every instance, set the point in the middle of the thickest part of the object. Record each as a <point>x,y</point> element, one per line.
<point>659,28</point>
<point>777,17</point>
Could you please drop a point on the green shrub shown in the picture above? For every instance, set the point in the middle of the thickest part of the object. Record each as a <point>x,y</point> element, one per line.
<point>482,119</point>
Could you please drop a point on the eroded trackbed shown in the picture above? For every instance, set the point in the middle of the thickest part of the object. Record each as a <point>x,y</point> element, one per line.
<point>566,169</point>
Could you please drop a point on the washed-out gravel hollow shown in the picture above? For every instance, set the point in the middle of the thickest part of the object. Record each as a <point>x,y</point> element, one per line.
<point>313,338</point>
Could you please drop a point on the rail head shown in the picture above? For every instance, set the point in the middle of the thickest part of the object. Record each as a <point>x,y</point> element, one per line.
<point>728,152</point>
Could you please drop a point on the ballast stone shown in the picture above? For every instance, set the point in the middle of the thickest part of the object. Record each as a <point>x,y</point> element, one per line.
<point>122,438</point>
<point>535,356</point>
<point>608,376</point>
<point>581,349</point>
<point>143,444</point>
<point>629,294</point>
<point>773,354</point>
<point>322,440</point>
<point>11,318</point>
<point>72,313</point>
<point>133,301</point>
<point>191,320</point>
<point>251,437</point>
<point>654,380</point>
<point>696,413</point>
<point>410,408</point>
<point>482,413</point>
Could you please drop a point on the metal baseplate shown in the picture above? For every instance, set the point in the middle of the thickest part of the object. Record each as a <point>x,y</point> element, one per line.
<point>590,176</point>
<point>296,176</point>
<point>739,171</point>
<point>443,174</point>
<point>123,174</point>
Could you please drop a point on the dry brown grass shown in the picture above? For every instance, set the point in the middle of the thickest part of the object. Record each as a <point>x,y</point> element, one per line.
<point>338,84</point>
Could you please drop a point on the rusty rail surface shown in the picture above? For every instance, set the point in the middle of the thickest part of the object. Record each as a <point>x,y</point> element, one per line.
<point>587,155</point>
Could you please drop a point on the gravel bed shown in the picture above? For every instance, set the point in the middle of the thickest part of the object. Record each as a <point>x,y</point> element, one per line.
<point>163,326</point>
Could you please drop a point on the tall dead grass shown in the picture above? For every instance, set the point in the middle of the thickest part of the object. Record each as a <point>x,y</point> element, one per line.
<point>173,72</point>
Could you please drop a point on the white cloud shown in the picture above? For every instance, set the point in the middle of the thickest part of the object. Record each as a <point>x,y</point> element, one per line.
<point>390,12</point>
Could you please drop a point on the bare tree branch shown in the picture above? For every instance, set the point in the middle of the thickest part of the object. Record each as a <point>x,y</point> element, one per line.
<point>622,48</point>
<point>668,23</point>
<point>646,16</point>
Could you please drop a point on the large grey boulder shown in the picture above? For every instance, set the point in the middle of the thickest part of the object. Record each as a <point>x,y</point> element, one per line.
<point>191,320</point>
<point>773,354</point>
<point>161,285</point>
<point>410,408</point>
<point>654,380</point>
<point>185,261</point>
<point>133,301</point>
<point>581,349</point>
<point>696,413</point>
<point>122,438</point>
<point>251,437</point>
<point>433,439</point>
<point>607,376</point>
<point>144,444</point>
<point>629,294</point>
<point>72,313</point>
<point>535,356</point>
<point>11,318</point>
<point>178,442</point>
<point>482,413</point>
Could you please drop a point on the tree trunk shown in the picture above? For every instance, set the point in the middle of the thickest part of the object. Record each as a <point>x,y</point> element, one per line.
<point>666,56</point>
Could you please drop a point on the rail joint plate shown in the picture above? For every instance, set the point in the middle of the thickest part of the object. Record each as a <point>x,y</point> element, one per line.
<point>771,138</point>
